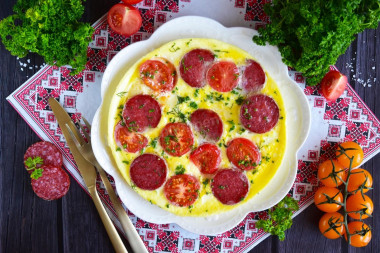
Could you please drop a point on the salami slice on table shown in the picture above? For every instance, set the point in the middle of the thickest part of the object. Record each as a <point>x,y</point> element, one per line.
<point>223,76</point>
<point>207,123</point>
<point>253,77</point>
<point>230,186</point>
<point>259,113</point>
<point>159,74</point>
<point>148,171</point>
<point>141,112</point>
<point>47,151</point>
<point>53,184</point>
<point>194,65</point>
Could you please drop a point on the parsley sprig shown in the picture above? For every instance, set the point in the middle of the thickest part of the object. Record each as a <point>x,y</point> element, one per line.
<point>280,218</point>
<point>50,28</point>
<point>312,34</point>
<point>32,163</point>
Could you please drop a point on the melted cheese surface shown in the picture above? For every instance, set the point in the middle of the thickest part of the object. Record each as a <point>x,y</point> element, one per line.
<point>226,105</point>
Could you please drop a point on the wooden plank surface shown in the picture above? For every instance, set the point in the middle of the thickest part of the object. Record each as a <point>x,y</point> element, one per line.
<point>29,224</point>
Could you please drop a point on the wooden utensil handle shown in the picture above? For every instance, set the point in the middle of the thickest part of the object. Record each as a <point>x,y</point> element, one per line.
<point>110,228</point>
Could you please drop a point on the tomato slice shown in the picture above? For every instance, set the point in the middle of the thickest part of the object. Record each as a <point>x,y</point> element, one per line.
<point>159,74</point>
<point>207,158</point>
<point>243,153</point>
<point>333,85</point>
<point>223,76</point>
<point>124,19</point>
<point>182,190</point>
<point>131,1</point>
<point>128,140</point>
<point>176,139</point>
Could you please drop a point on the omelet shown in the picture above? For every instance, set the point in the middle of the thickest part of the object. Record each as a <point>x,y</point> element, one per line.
<point>197,127</point>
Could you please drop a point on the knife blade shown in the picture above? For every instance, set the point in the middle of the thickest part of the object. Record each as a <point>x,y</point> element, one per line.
<point>88,173</point>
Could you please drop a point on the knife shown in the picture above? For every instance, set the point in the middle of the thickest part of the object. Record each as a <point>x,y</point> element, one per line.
<point>88,173</point>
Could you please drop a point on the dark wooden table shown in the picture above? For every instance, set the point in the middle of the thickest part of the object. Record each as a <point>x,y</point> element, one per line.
<point>30,224</point>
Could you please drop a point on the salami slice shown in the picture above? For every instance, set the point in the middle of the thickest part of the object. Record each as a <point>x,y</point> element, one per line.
<point>148,171</point>
<point>259,113</point>
<point>207,123</point>
<point>253,77</point>
<point>159,74</point>
<point>141,112</point>
<point>47,151</point>
<point>223,76</point>
<point>194,65</point>
<point>127,140</point>
<point>53,184</point>
<point>243,153</point>
<point>176,139</point>
<point>230,186</point>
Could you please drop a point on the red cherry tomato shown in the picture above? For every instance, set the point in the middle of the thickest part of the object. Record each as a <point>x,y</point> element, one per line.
<point>206,157</point>
<point>128,140</point>
<point>243,153</point>
<point>223,76</point>
<point>176,139</point>
<point>131,1</point>
<point>333,85</point>
<point>182,190</point>
<point>158,74</point>
<point>124,19</point>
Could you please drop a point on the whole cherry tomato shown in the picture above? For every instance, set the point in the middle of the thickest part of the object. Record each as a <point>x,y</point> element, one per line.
<point>328,199</point>
<point>347,150</point>
<point>360,181</point>
<point>361,234</point>
<point>331,225</point>
<point>359,206</point>
<point>331,173</point>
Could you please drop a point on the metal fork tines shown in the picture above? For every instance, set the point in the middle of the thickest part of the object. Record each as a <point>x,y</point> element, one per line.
<point>85,148</point>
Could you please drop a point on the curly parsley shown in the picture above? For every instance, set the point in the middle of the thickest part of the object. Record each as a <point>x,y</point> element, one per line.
<point>50,28</point>
<point>311,35</point>
<point>280,218</point>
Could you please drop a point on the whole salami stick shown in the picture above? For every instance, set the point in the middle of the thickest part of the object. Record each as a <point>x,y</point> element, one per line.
<point>86,150</point>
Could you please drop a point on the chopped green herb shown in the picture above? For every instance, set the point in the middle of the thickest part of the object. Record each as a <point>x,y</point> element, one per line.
<point>153,143</point>
<point>173,48</point>
<point>126,162</point>
<point>179,170</point>
<point>121,94</point>
<point>182,99</point>
<point>239,100</point>
<point>196,92</point>
<point>193,105</point>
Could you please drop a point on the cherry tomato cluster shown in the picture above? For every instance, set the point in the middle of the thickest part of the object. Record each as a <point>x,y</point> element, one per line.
<point>338,175</point>
<point>125,19</point>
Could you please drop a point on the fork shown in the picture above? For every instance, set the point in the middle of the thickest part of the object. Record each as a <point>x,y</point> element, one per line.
<point>85,148</point>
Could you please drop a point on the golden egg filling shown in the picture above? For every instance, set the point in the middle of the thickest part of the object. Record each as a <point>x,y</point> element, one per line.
<point>197,127</point>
